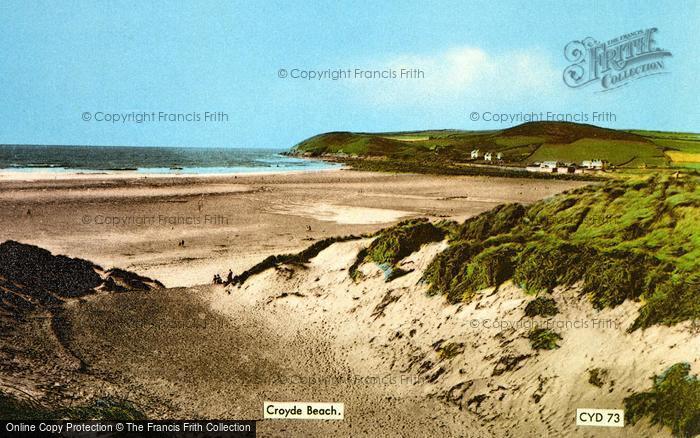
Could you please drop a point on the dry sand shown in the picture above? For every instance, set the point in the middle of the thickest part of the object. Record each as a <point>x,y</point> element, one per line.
<point>230,221</point>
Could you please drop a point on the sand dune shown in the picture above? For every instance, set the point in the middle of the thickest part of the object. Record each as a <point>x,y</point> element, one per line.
<point>496,380</point>
<point>312,334</point>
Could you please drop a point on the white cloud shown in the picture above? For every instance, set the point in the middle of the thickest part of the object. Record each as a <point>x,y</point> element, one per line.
<point>463,73</point>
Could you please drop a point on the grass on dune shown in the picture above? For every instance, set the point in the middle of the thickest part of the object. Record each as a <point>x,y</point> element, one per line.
<point>298,259</point>
<point>393,244</point>
<point>632,239</point>
<point>673,401</point>
<point>637,239</point>
<point>450,350</point>
<point>541,306</point>
<point>403,239</point>
<point>544,339</point>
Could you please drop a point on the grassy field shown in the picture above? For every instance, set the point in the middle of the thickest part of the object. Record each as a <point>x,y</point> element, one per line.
<point>620,153</point>
<point>408,137</point>
<point>520,145</point>
<point>682,148</point>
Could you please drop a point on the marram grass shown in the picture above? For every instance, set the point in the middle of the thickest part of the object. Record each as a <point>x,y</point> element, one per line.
<point>673,401</point>
<point>635,239</point>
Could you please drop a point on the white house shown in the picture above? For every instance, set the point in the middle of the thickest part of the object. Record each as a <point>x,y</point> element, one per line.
<point>475,154</point>
<point>566,168</point>
<point>550,164</point>
<point>499,156</point>
<point>595,164</point>
<point>537,167</point>
<point>545,166</point>
<point>488,156</point>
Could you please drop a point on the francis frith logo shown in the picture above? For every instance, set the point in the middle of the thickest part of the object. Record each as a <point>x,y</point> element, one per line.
<point>616,62</point>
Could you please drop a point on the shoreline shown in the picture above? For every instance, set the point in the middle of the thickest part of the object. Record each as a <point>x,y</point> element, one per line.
<point>76,174</point>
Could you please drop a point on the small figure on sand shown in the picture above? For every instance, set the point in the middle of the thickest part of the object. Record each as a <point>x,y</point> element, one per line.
<point>229,277</point>
<point>217,279</point>
<point>181,243</point>
<point>308,228</point>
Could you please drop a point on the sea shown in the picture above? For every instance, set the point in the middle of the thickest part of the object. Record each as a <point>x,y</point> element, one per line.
<point>150,160</point>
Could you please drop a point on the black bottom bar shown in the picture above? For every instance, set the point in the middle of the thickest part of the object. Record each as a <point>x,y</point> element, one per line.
<point>148,428</point>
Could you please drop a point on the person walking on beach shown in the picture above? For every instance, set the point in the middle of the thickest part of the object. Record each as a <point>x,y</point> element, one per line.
<point>229,277</point>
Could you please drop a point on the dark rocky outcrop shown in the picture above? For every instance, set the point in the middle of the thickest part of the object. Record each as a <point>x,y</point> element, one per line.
<point>31,278</point>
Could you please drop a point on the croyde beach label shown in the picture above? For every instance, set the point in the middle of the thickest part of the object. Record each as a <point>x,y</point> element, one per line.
<point>616,62</point>
<point>303,411</point>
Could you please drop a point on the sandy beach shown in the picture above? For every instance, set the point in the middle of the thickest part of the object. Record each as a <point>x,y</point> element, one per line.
<point>230,222</point>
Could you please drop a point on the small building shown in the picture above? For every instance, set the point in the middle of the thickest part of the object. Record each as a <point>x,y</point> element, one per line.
<point>539,167</point>
<point>488,156</point>
<point>499,156</point>
<point>546,166</point>
<point>595,164</point>
<point>566,169</point>
<point>475,154</point>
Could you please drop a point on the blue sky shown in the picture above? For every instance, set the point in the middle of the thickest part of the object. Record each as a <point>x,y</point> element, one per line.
<point>60,60</point>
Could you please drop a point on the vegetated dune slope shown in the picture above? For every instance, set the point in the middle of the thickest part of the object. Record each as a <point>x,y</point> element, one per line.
<point>477,356</point>
<point>403,362</point>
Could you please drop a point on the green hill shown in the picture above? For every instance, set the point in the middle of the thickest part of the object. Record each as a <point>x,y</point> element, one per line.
<point>520,145</point>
